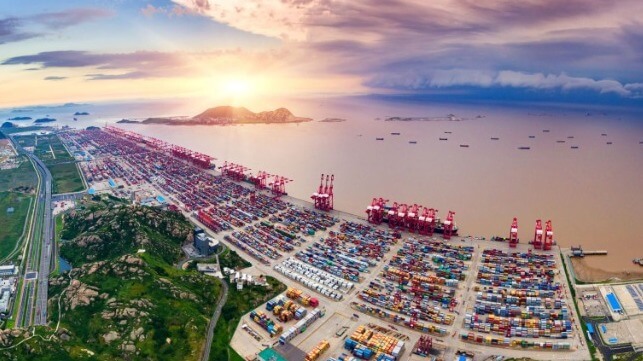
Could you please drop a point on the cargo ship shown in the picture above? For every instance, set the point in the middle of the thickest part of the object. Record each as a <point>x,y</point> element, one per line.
<point>560,141</point>
<point>495,138</point>
<point>395,133</point>
<point>532,136</point>
<point>524,148</point>
<point>413,142</point>
<point>638,261</point>
<point>574,147</point>
<point>464,145</point>
<point>604,134</point>
<point>570,137</point>
<point>609,142</point>
<point>439,225</point>
<point>545,130</point>
<point>448,132</point>
<point>444,138</point>
<point>379,138</point>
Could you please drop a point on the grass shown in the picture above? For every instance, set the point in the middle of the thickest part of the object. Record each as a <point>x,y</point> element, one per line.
<point>66,178</point>
<point>21,178</point>
<point>232,260</point>
<point>238,304</point>
<point>12,224</point>
<point>49,149</point>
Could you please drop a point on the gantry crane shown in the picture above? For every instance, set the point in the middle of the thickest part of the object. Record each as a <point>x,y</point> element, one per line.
<point>448,225</point>
<point>538,235</point>
<point>549,236</point>
<point>513,233</point>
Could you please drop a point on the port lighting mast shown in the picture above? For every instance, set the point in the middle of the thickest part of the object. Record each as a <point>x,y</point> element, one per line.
<point>538,235</point>
<point>549,236</point>
<point>513,233</point>
<point>448,225</point>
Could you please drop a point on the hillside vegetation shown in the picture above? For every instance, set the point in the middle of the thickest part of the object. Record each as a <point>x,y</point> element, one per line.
<point>118,304</point>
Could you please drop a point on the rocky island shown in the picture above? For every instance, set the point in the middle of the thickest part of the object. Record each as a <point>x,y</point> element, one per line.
<point>229,115</point>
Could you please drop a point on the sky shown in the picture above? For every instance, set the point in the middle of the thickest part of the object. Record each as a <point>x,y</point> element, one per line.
<point>99,50</point>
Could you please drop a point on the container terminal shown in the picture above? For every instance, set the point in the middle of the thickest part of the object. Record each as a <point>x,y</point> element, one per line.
<point>397,283</point>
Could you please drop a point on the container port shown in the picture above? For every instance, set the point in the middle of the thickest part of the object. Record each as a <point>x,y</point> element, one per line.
<point>400,270</point>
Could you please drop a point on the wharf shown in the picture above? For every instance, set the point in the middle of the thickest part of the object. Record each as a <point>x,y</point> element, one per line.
<point>338,313</point>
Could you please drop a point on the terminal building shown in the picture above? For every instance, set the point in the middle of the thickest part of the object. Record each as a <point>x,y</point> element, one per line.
<point>7,271</point>
<point>203,244</point>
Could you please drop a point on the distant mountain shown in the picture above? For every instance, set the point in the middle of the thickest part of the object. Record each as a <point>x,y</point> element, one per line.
<point>81,113</point>
<point>127,121</point>
<point>224,115</point>
<point>20,118</point>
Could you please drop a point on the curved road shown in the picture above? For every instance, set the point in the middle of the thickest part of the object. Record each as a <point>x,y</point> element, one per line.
<point>215,319</point>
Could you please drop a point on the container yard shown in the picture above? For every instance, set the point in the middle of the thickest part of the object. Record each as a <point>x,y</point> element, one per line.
<point>399,269</point>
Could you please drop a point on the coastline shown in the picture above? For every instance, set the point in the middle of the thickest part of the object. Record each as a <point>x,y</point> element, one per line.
<point>588,274</point>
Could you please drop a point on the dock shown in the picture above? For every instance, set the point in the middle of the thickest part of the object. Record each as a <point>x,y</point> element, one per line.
<point>579,252</point>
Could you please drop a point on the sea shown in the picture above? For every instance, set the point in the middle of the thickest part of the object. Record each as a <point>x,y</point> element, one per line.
<point>593,194</point>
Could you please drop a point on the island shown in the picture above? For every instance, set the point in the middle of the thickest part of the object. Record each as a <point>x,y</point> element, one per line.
<point>81,113</point>
<point>7,125</point>
<point>20,118</point>
<point>332,120</point>
<point>448,117</point>
<point>228,115</point>
<point>44,120</point>
<point>127,121</point>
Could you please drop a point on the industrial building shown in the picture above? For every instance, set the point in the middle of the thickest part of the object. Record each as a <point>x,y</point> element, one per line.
<point>205,245</point>
<point>8,270</point>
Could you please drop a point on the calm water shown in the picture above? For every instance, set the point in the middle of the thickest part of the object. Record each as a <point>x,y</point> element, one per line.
<point>593,194</point>
<point>63,265</point>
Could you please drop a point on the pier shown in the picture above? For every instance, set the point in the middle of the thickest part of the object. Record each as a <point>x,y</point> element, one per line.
<point>579,252</point>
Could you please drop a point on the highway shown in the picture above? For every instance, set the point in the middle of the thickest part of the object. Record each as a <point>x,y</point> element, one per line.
<point>32,303</point>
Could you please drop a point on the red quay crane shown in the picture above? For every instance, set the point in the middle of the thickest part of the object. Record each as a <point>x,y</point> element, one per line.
<point>448,225</point>
<point>392,215</point>
<point>549,236</point>
<point>538,235</point>
<point>323,198</point>
<point>375,212</point>
<point>513,233</point>
<point>412,218</point>
<point>427,221</point>
<point>278,185</point>
<point>259,180</point>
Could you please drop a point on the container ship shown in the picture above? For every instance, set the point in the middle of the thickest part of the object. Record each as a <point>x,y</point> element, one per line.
<point>574,147</point>
<point>532,136</point>
<point>560,141</point>
<point>395,133</point>
<point>524,148</point>
<point>444,138</point>
<point>379,138</point>
<point>464,145</point>
<point>413,142</point>
<point>495,138</point>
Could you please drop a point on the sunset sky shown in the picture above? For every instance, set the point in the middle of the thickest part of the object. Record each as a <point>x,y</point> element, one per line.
<point>63,51</point>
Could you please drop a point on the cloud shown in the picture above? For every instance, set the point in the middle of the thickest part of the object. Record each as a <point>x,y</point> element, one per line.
<point>150,64</point>
<point>70,17</point>
<point>504,78</point>
<point>414,44</point>
<point>176,10</point>
<point>11,28</point>
<point>10,31</point>
<point>55,78</point>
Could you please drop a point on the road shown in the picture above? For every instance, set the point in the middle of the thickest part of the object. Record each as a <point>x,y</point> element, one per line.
<point>215,319</point>
<point>32,305</point>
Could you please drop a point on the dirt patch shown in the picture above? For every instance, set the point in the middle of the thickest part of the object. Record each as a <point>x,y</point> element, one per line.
<point>586,273</point>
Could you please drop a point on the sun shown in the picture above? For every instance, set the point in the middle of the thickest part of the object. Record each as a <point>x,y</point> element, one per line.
<point>236,87</point>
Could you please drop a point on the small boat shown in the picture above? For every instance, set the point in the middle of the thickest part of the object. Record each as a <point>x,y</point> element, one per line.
<point>574,147</point>
<point>560,141</point>
<point>641,142</point>
<point>464,145</point>
<point>444,138</point>
<point>524,148</point>
<point>447,132</point>
<point>395,133</point>
<point>609,142</point>
<point>494,138</point>
<point>532,136</point>
<point>545,130</point>
<point>413,142</point>
<point>570,137</point>
<point>604,134</point>
<point>379,138</point>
